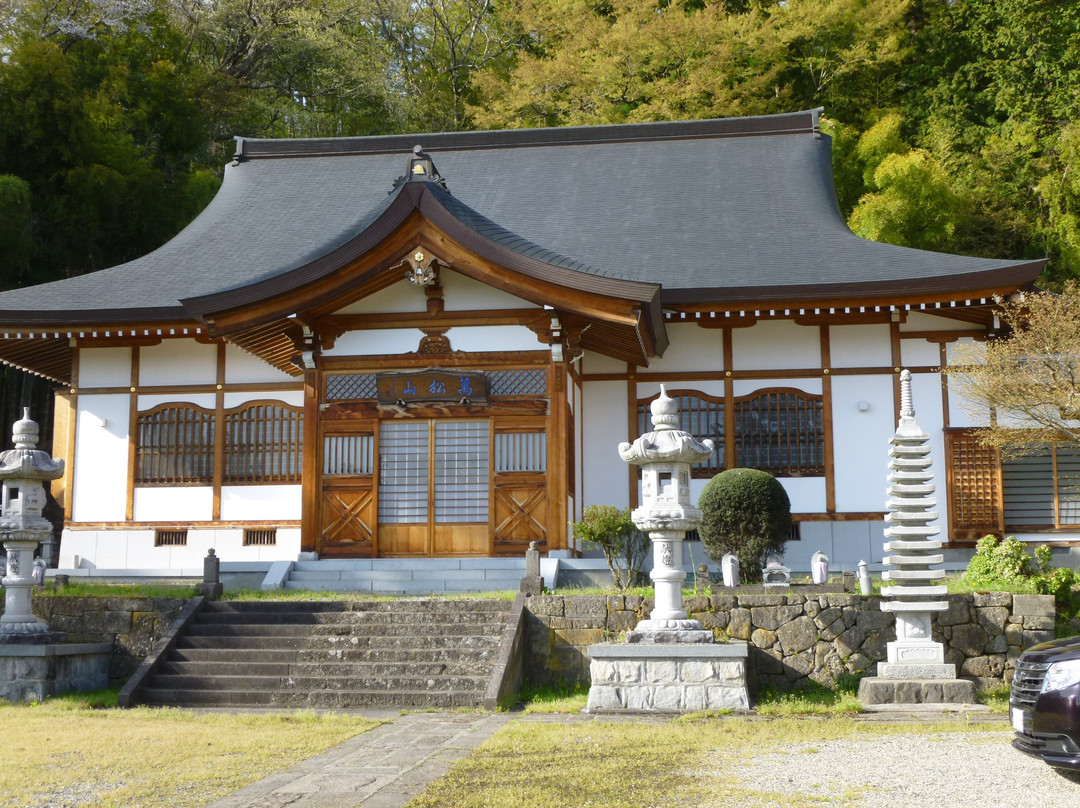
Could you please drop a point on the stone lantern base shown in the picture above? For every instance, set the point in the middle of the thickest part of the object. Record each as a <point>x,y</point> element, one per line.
<point>669,632</point>
<point>667,678</point>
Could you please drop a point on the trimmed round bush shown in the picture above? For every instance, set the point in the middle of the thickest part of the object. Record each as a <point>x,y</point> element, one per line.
<point>746,512</point>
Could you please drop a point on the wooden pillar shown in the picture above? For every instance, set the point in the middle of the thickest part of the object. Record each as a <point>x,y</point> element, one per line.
<point>310,477</point>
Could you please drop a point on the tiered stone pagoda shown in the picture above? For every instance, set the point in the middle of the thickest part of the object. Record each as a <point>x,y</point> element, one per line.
<point>916,671</point>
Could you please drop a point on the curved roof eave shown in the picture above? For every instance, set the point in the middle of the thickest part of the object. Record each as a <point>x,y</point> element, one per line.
<point>474,231</point>
<point>973,284</point>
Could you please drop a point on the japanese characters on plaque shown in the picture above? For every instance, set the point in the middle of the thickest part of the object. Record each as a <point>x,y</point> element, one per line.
<point>432,385</point>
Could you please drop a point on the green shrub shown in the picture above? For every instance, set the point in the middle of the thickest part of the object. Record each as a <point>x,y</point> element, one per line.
<point>999,564</point>
<point>1005,564</point>
<point>745,512</point>
<point>623,545</point>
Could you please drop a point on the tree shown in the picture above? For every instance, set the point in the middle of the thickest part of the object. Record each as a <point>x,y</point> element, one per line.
<point>623,545</point>
<point>745,512</point>
<point>1029,379</point>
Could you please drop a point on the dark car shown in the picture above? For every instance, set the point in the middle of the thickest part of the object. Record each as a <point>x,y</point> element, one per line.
<point>1044,704</point>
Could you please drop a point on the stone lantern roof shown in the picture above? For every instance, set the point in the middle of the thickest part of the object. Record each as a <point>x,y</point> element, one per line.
<point>26,462</point>
<point>666,443</point>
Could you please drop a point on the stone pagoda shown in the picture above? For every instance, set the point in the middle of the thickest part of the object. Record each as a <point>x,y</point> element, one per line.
<point>916,671</point>
<point>669,663</point>
<point>22,527</point>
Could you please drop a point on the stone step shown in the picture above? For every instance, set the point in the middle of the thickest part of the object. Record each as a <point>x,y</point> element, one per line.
<point>244,656</point>
<point>484,656</point>
<point>340,618</point>
<point>487,629</point>
<point>199,629</point>
<point>332,669</point>
<point>344,699</point>
<point>390,684</point>
<point>289,606</point>
<point>185,698</point>
<point>461,641</point>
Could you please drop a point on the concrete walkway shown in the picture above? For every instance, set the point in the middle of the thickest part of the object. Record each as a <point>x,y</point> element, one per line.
<point>382,768</point>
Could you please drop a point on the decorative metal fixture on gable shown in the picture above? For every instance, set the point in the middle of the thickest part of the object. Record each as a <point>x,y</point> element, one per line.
<point>423,269</point>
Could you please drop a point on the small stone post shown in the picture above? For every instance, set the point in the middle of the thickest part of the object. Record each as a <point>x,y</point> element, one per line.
<point>532,583</point>
<point>665,455</point>
<point>211,587</point>
<point>22,528</point>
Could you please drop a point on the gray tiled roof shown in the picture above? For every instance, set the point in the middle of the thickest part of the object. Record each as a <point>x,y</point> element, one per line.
<point>707,209</point>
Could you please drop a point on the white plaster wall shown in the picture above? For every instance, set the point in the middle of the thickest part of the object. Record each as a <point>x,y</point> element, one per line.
<point>916,352</point>
<point>104,367</point>
<point>243,368</point>
<point>494,338</point>
<point>807,494</point>
<point>744,387</point>
<point>376,342</point>
<point>845,544</point>
<point>961,412</point>
<point>101,458</point>
<point>207,400</point>
<point>294,398</point>
<point>462,293</point>
<point>260,502</point>
<point>926,398</point>
<point>920,321</point>
<point>177,362</point>
<point>402,296</point>
<point>776,344</point>
<point>861,441</point>
<point>598,363</point>
<point>604,426</point>
<point>860,346</point>
<point>692,348</point>
<point>182,503</point>
<point>134,549</point>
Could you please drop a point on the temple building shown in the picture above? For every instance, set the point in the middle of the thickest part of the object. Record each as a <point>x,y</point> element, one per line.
<point>431,346</point>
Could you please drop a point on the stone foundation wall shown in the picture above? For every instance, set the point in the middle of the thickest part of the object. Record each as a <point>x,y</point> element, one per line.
<point>130,625</point>
<point>795,638</point>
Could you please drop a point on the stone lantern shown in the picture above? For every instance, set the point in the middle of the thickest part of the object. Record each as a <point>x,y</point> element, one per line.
<point>665,455</point>
<point>22,527</point>
<point>668,663</point>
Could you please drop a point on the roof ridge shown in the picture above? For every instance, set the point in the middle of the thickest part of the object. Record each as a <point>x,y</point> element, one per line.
<point>802,122</point>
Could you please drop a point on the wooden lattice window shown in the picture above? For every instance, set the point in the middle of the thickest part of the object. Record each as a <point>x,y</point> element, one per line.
<point>780,431</point>
<point>260,537</point>
<point>263,443</point>
<point>170,538</point>
<point>703,417</point>
<point>974,485</point>
<point>175,446</point>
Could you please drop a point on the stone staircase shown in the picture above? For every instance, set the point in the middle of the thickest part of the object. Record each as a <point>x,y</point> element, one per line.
<point>390,654</point>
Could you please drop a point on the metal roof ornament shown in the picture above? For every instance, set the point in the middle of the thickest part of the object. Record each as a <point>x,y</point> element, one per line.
<point>420,168</point>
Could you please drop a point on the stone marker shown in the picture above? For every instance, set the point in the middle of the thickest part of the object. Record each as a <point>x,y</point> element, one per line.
<point>532,584</point>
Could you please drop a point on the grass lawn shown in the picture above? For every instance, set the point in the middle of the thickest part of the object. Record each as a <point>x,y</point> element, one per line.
<point>680,763</point>
<point>65,752</point>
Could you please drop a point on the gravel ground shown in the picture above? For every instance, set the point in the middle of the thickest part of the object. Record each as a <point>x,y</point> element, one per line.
<point>913,771</point>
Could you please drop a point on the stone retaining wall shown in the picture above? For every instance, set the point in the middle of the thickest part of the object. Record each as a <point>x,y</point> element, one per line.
<point>130,625</point>
<point>796,637</point>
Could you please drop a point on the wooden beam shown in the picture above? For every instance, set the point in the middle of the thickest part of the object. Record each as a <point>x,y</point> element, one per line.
<point>311,493</point>
<point>827,420</point>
